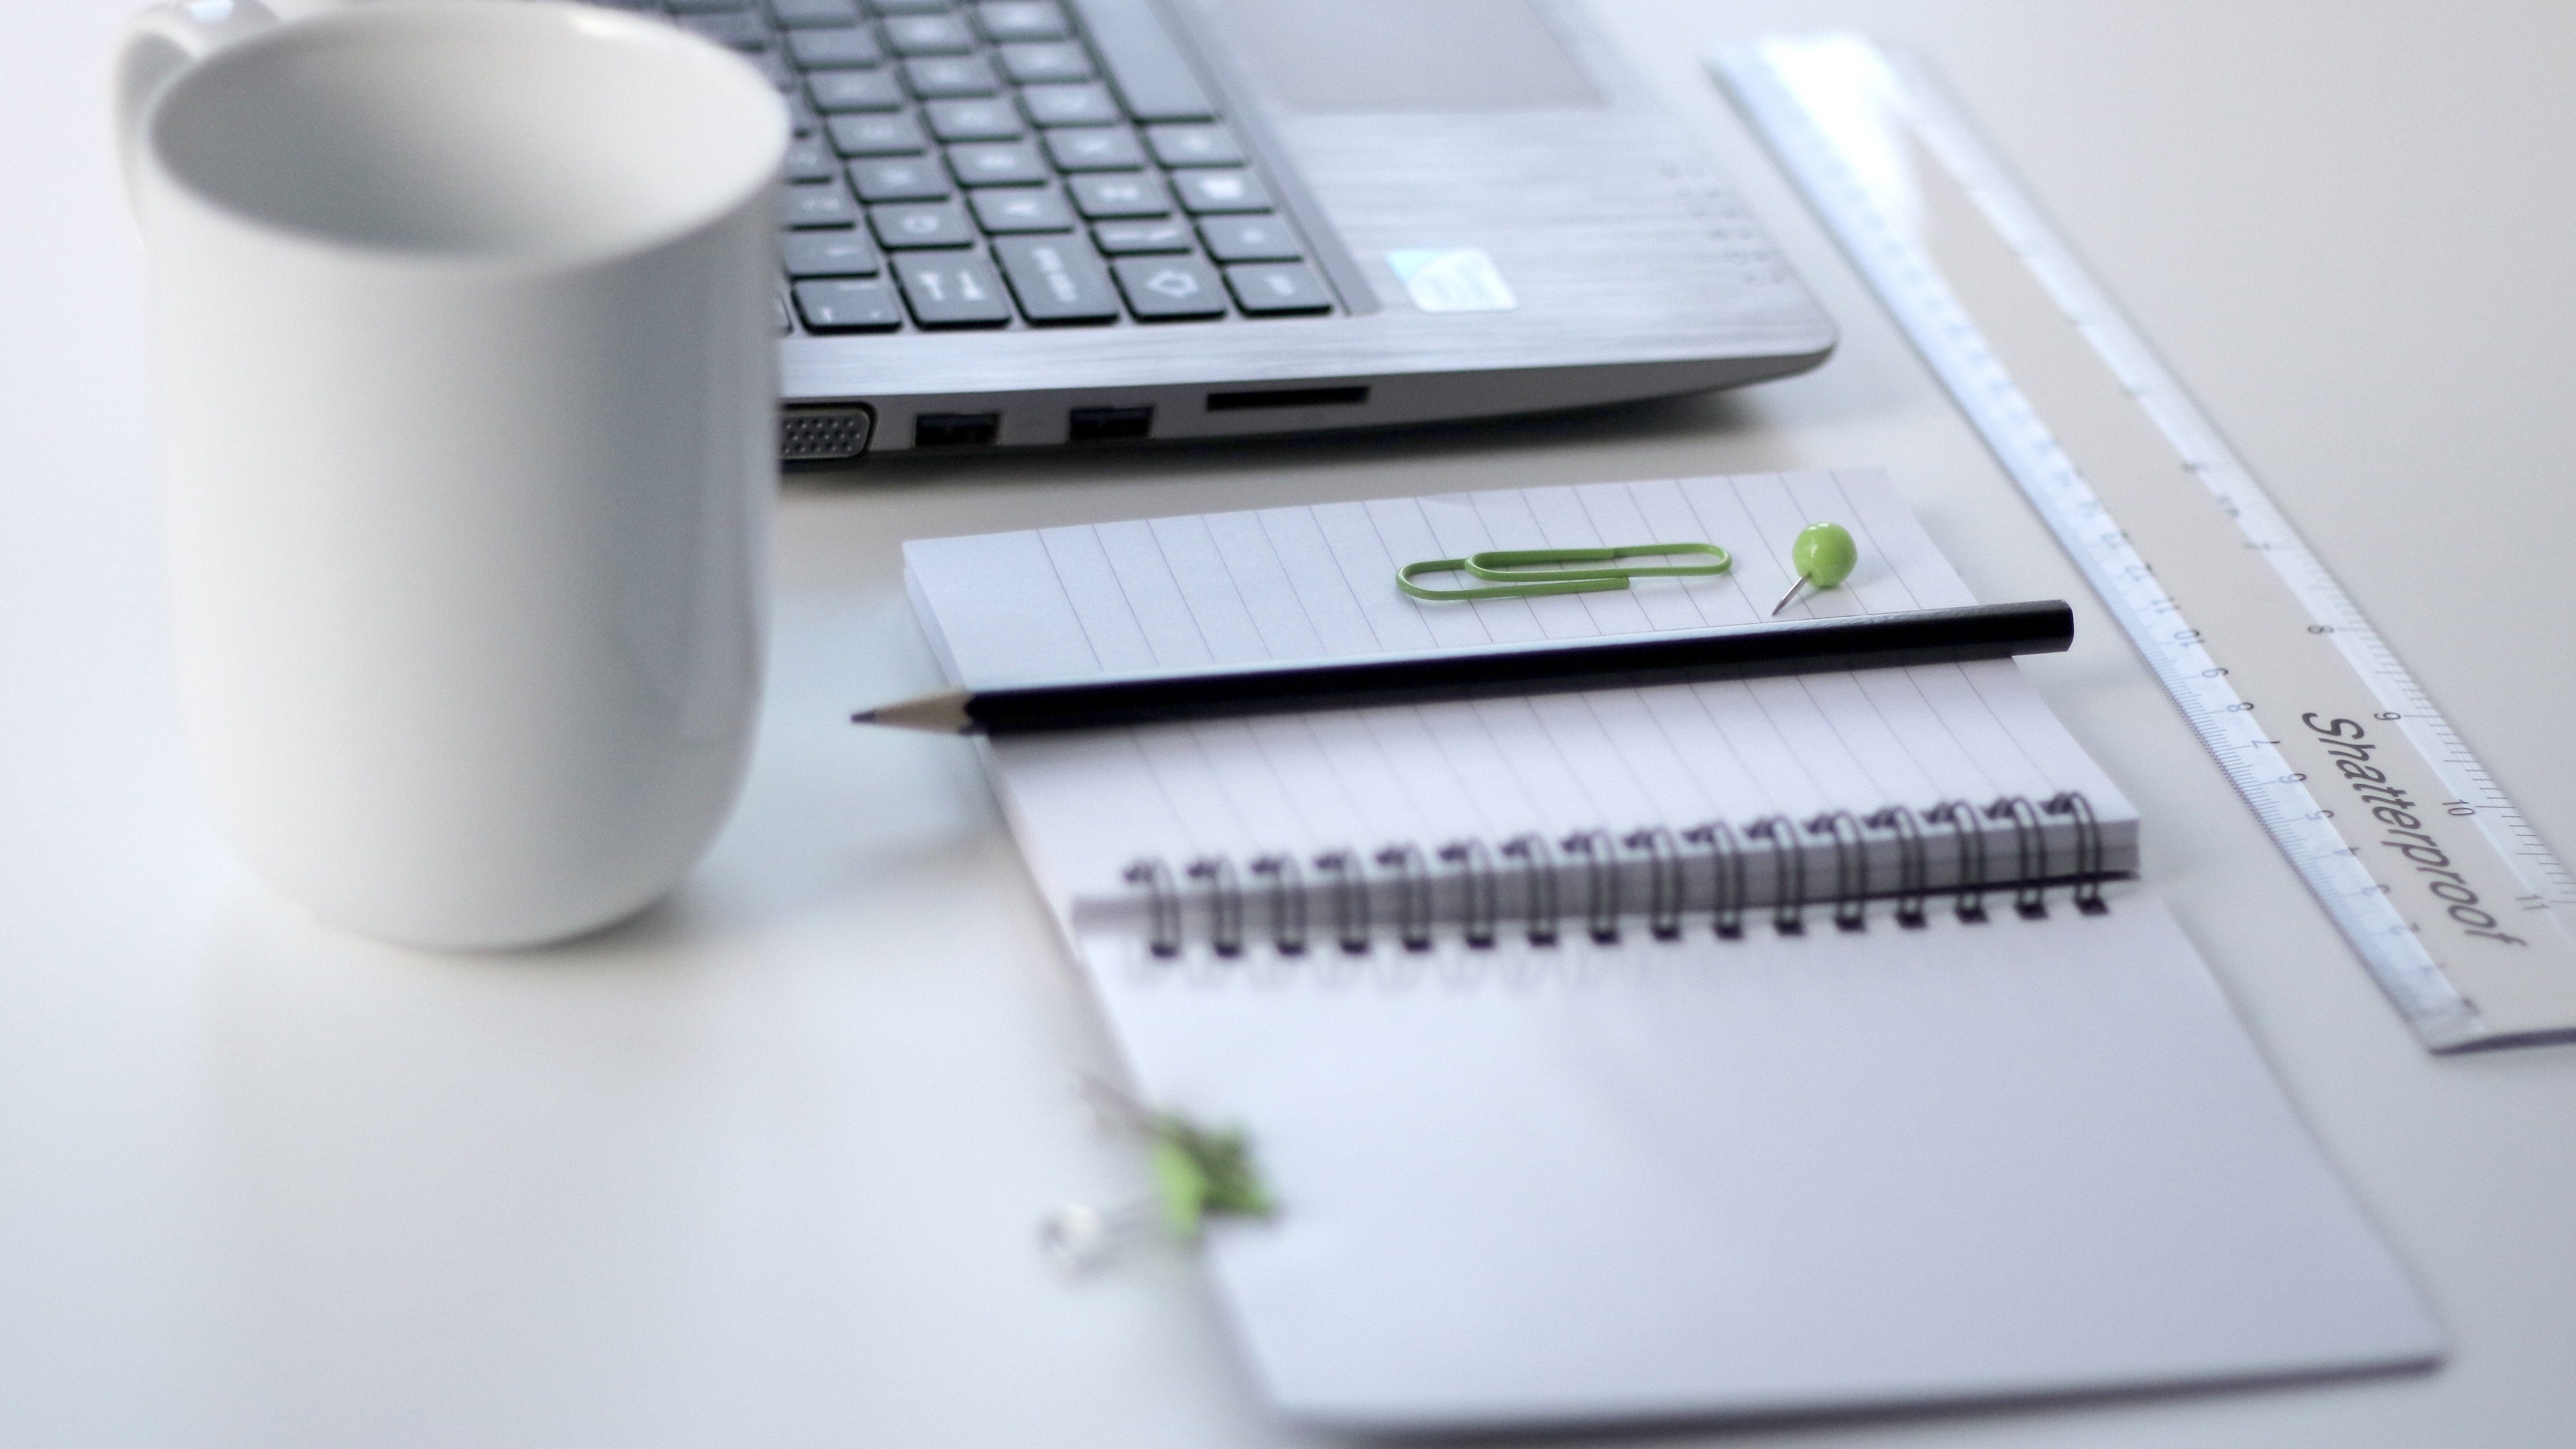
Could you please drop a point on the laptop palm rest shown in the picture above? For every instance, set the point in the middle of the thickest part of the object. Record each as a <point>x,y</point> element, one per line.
<point>1396,57</point>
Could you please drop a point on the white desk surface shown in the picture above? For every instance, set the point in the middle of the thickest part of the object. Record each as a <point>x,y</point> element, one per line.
<point>762,1167</point>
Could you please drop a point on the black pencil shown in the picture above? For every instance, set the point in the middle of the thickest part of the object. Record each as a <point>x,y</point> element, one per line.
<point>1929,636</point>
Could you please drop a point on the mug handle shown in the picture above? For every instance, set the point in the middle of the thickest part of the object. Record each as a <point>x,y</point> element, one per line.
<point>165,40</point>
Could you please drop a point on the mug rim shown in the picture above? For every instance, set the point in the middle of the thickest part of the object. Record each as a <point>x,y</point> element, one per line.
<point>562,20</point>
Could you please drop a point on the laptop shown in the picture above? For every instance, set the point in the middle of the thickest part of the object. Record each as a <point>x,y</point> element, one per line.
<point>1028,223</point>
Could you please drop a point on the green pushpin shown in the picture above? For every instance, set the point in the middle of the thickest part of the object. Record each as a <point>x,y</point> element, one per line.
<point>1823,556</point>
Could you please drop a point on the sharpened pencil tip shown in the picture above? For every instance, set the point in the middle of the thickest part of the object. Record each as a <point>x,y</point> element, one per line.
<point>939,714</point>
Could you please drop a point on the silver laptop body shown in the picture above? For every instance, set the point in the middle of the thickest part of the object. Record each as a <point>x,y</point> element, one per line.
<point>1368,212</point>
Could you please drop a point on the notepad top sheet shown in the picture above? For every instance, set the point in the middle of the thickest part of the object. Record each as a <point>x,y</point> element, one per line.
<point>1523,1186</point>
<point>1776,1175</point>
<point>1319,581</point>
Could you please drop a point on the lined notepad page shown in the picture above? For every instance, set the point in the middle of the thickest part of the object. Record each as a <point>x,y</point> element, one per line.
<point>1319,581</point>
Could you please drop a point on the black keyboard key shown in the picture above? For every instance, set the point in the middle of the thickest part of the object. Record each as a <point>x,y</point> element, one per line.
<point>1194,145</point>
<point>801,120</point>
<point>950,75</point>
<point>1120,194</point>
<point>929,35</point>
<point>813,205</point>
<point>778,72</point>
<point>1204,192</point>
<point>1138,238</point>
<point>1084,105</point>
<point>1278,289</point>
<point>848,306</point>
<point>1094,148</point>
<point>1151,76</point>
<point>973,120</point>
<point>1020,209</point>
<point>1169,289</point>
<point>958,291</point>
<point>876,136</point>
<point>742,30</point>
<point>829,254</point>
<point>854,90</point>
<point>911,228</point>
<point>1249,239</point>
<point>1057,280</point>
<point>996,163</point>
<point>910,179</point>
<point>1022,20</point>
<point>786,319</point>
<point>797,14</point>
<point>1043,62</point>
<point>833,49</point>
<point>808,161</point>
<point>909,7</point>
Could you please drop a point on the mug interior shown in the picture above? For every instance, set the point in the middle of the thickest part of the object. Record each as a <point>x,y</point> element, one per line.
<point>476,130</point>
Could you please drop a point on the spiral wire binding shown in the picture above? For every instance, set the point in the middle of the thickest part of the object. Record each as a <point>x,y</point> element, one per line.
<point>1726,884</point>
<point>1471,875</point>
<point>1412,895</point>
<point>1913,870</point>
<point>1663,882</point>
<point>1225,903</point>
<point>2030,855</point>
<point>2088,850</point>
<point>1349,889</point>
<point>1788,873</point>
<point>1482,900</point>
<point>1600,883</point>
<point>1961,817</point>
<point>1851,867</point>
<point>1287,902</point>
<point>1538,881</point>
<point>1164,905</point>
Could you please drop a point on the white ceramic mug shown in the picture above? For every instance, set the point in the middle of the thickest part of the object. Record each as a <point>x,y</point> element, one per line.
<point>466,358</point>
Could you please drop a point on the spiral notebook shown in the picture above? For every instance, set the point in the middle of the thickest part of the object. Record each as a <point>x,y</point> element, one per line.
<point>1699,1050</point>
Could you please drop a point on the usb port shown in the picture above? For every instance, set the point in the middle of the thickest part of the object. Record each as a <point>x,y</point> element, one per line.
<point>955,430</point>
<point>1102,425</point>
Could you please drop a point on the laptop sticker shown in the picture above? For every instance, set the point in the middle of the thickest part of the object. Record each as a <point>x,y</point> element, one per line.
<point>1452,279</point>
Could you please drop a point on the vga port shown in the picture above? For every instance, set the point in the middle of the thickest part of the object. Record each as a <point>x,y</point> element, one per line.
<point>824,434</point>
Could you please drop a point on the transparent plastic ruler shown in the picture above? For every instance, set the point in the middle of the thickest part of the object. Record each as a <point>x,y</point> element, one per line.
<point>2448,894</point>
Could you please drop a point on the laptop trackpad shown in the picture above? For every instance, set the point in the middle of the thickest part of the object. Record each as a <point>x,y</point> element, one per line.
<point>1328,57</point>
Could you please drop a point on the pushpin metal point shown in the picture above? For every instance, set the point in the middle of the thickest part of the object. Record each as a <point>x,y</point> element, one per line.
<point>1823,556</point>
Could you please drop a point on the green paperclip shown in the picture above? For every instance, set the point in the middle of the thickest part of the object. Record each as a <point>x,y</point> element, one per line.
<point>1511,581</point>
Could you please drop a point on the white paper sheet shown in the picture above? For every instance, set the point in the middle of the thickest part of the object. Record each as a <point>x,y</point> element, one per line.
<point>1529,1184</point>
<point>1317,581</point>
<point>1778,1174</point>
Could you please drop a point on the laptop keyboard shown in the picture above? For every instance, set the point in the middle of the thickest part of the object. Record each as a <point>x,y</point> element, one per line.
<point>1013,163</point>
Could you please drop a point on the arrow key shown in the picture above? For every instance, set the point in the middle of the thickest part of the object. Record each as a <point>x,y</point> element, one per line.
<point>952,291</point>
<point>1169,289</point>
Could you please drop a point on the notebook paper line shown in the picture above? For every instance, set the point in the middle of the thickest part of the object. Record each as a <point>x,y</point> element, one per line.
<point>1190,606</point>
<point>1283,583</point>
<point>1569,763</point>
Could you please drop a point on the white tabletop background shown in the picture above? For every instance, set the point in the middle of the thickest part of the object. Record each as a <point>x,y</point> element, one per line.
<point>762,1167</point>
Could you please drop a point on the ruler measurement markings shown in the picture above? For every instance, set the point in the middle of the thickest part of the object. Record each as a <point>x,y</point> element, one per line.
<point>1920,296</point>
<point>2205,453</point>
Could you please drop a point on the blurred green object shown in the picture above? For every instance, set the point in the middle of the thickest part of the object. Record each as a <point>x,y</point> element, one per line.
<point>1205,1173</point>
